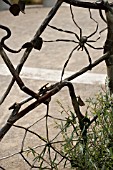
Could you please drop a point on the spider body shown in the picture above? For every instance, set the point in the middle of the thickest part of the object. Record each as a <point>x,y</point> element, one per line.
<point>82,41</point>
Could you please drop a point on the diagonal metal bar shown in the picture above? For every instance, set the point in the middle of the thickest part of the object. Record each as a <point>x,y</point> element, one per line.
<point>28,50</point>
<point>15,74</point>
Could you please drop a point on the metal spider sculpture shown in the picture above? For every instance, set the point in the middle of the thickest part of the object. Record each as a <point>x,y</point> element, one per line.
<point>82,40</point>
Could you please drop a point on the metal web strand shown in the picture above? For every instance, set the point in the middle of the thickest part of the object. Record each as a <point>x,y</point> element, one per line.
<point>46,146</point>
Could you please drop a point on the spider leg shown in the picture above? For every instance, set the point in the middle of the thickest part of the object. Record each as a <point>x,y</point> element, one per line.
<point>99,35</point>
<point>96,48</point>
<point>101,15</point>
<point>100,11</point>
<point>61,40</point>
<point>15,74</point>
<point>89,58</point>
<point>61,30</point>
<point>93,40</point>
<point>68,60</point>
<point>103,30</point>
<point>75,22</point>
<point>79,47</point>
<point>95,22</point>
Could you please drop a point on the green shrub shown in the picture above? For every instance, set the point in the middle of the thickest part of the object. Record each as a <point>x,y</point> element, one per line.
<point>97,152</point>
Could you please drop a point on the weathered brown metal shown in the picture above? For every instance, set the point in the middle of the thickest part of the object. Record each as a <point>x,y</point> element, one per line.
<point>109,48</point>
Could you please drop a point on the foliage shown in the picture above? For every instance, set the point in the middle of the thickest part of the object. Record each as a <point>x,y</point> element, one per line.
<point>97,152</point>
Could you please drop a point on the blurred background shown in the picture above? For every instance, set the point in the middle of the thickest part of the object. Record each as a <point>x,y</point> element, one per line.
<point>47,3</point>
<point>29,1</point>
